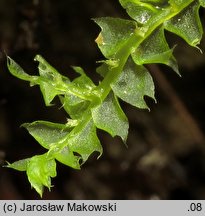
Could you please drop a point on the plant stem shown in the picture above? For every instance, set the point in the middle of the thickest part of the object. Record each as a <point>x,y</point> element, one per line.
<point>140,35</point>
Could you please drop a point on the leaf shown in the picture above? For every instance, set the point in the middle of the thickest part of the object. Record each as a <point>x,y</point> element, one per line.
<point>155,49</point>
<point>115,32</point>
<point>202,3</point>
<point>48,80</point>
<point>74,105</point>
<point>142,11</point>
<point>20,165</point>
<point>187,24</point>
<point>39,171</point>
<point>51,136</point>
<point>47,71</point>
<point>17,71</point>
<point>109,116</point>
<point>51,82</point>
<point>133,84</point>
<point>47,133</point>
<point>66,157</point>
<point>84,84</point>
<point>84,141</point>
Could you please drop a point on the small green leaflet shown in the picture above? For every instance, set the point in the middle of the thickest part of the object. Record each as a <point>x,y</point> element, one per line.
<point>39,170</point>
<point>115,32</point>
<point>20,165</point>
<point>155,50</point>
<point>47,133</point>
<point>143,11</point>
<point>133,84</point>
<point>84,141</point>
<point>202,3</point>
<point>62,144</point>
<point>51,136</point>
<point>74,106</point>
<point>109,116</point>
<point>53,83</point>
<point>187,24</point>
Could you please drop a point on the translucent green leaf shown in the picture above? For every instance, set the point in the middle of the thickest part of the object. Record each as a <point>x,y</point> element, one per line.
<point>115,32</point>
<point>40,169</point>
<point>103,69</point>
<point>202,3</point>
<point>141,11</point>
<point>84,84</point>
<point>155,50</point>
<point>20,165</point>
<point>48,92</point>
<point>66,156</point>
<point>47,133</point>
<point>47,71</point>
<point>176,4</point>
<point>51,81</point>
<point>74,105</point>
<point>187,24</point>
<point>17,71</point>
<point>84,141</point>
<point>133,84</point>
<point>109,116</point>
<point>51,136</point>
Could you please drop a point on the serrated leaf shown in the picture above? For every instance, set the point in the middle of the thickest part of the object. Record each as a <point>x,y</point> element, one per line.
<point>50,80</point>
<point>47,133</point>
<point>141,11</point>
<point>66,156</point>
<point>51,136</point>
<point>20,165</point>
<point>202,3</point>
<point>115,32</point>
<point>109,117</point>
<point>40,169</point>
<point>47,71</point>
<point>17,71</point>
<point>84,84</point>
<point>187,24</point>
<point>134,83</point>
<point>74,106</point>
<point>84,141</point>
<point>155,50</point>
<point>51,83</point>
<point>48,92</point>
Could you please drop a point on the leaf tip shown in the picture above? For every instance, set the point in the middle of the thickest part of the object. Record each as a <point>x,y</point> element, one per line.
<point>99,40</point>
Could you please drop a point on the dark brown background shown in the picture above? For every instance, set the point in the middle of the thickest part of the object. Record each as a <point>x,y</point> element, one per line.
<point>165,158</point>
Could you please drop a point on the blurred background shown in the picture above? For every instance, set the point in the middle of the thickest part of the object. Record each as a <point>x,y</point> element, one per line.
<point>165,158</point>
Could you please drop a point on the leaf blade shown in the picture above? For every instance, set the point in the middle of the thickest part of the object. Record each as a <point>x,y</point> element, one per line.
<point>187,24</point>
<point>114,34</point>
<point>109,117</point>
<point>133,84</point>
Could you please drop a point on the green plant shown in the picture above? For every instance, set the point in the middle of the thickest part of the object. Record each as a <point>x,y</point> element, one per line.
<point>127,46</point>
